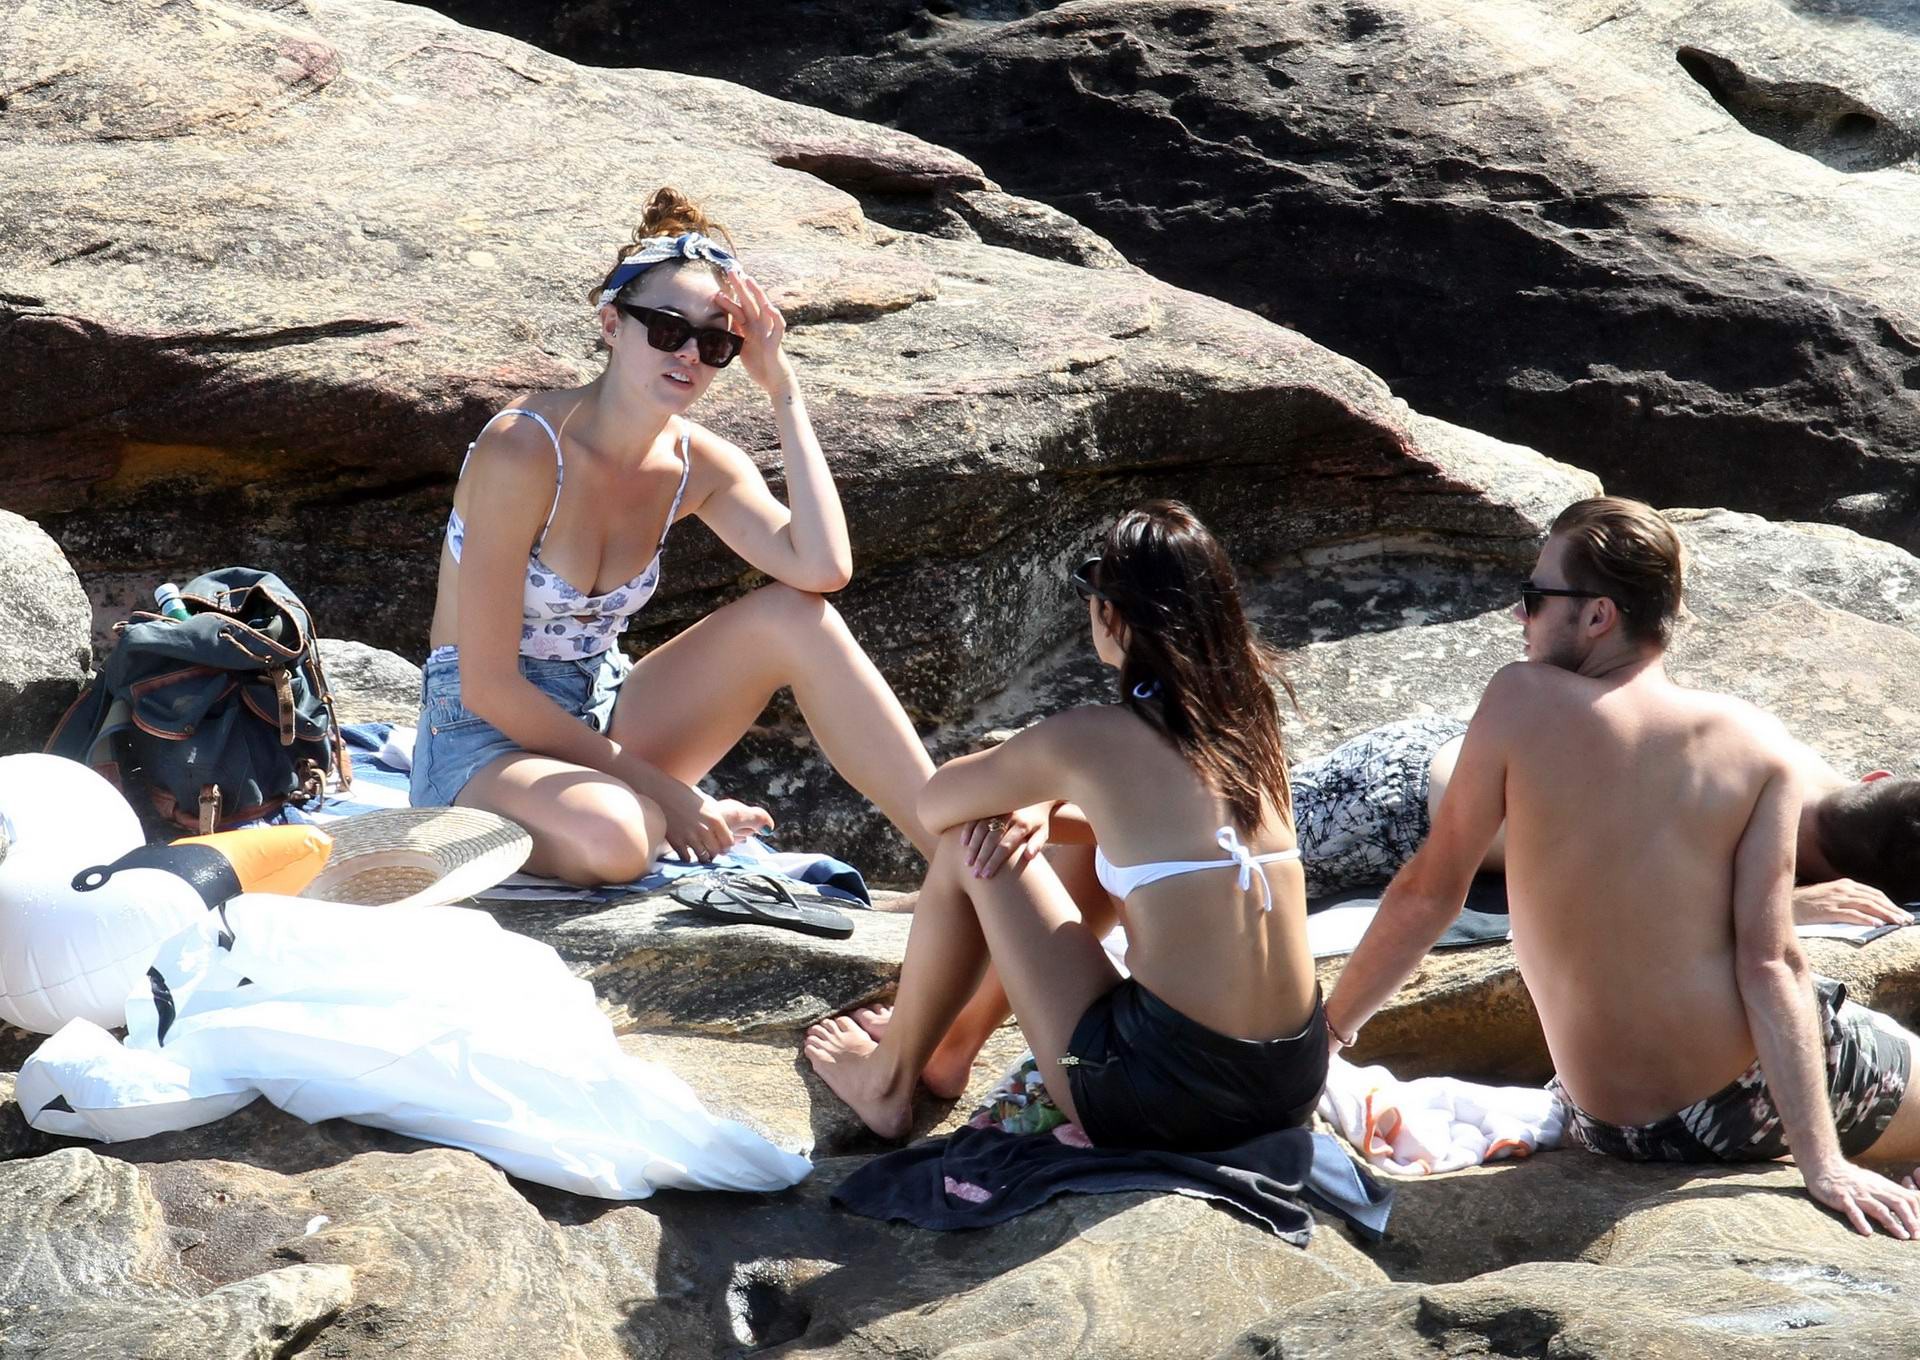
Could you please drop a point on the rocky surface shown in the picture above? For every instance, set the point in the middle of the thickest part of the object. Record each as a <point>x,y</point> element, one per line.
<point>370,685</point>
<point>45,621</point>
<point>1665,240</point>
<point>255,340</point>
<point>1618,1261</point>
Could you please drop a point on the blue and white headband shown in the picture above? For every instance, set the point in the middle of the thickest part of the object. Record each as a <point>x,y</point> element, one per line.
<point>689,245</point>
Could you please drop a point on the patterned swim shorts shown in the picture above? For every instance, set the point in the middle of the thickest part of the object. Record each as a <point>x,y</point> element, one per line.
<point>1867,1074</point>
<point>1360,811</point>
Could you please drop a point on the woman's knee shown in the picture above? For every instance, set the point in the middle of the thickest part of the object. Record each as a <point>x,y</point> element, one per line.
<point>949,853</point>
<point>611,842</point>
<point>792,612</point>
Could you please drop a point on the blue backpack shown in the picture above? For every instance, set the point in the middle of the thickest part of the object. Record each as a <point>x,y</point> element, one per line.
<point>217,719</point>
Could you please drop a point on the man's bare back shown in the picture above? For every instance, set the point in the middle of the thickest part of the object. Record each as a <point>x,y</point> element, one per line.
<point>1623,923</point>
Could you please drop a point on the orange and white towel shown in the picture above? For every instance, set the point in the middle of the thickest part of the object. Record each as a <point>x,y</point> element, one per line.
<point>1415,1128</point>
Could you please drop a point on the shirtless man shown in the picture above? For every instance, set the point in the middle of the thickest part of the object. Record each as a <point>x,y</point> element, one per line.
<point>1650,838</point>
<point>1365,807</point>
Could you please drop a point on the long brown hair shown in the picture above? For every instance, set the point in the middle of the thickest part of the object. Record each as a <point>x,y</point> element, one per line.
<point>1193,667</point>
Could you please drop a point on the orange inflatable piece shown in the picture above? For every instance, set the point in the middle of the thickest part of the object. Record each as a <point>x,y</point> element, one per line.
<point>271,859</point>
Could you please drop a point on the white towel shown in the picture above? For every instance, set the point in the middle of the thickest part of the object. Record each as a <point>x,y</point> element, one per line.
<point>430,1021</point>
<point>1434,1124</point>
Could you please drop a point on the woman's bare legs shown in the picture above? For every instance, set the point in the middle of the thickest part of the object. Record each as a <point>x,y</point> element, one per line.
<point>587,827</point>
<point>1051,964</point>
<point>684,706</point>
<point>950,1067</point>
<point>688,701</point>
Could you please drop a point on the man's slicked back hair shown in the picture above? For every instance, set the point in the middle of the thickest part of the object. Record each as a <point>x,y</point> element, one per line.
<point>1626,550</point>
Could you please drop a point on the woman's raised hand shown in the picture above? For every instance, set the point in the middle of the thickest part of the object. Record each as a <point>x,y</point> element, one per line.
<point>762,327</point>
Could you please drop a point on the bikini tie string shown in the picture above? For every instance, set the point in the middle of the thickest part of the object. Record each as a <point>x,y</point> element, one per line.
<point>1229,840</point>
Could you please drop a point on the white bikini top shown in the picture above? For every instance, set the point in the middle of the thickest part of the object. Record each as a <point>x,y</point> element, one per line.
<point>1122,879</point>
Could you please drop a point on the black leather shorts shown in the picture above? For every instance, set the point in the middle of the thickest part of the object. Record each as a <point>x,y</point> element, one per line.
<point>1144,1075</point>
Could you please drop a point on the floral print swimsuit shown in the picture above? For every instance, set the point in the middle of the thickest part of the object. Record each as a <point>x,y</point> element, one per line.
<point>557,622</point>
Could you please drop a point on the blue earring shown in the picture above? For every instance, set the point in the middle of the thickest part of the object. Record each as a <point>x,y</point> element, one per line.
<point>1144,690</point>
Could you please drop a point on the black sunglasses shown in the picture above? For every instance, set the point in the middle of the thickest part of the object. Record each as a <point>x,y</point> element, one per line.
<point>669,331</point>
<point>1082,577</point>
<point>1531,595</point>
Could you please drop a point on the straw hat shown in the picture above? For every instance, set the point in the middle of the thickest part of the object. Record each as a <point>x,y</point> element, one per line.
<point>418,857</point>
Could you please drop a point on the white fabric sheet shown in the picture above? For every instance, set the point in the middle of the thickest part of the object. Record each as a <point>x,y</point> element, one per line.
<point>430,1021</point>
<point>1434,1124</point>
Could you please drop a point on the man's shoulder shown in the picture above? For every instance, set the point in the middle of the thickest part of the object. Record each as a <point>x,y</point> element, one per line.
<point>1531,684</point>
<point>1747,722</point>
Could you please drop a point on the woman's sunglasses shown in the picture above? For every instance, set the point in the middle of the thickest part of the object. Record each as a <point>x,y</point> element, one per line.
<point>1531,595</point>
<point>1084,578</point>
<point>669,331</point>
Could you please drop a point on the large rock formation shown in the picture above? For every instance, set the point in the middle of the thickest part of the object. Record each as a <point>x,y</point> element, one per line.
<point>1667,241</point>
<point>45,624</point>
<point>282,261</point>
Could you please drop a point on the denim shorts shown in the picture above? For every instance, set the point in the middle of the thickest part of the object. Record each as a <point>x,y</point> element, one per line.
<point>452,744</point>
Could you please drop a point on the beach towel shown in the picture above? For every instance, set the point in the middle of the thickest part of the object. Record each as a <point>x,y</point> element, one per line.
<point>976,1177</point>
<point>383,753</point>
<point>429,1021</point>
<point>1415,1128</point>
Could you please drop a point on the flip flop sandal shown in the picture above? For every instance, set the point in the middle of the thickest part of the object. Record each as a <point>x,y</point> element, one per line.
<point>732,898</point>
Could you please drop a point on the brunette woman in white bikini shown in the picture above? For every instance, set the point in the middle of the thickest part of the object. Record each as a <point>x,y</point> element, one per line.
<point>559,521</point>
<point>1171,807</point>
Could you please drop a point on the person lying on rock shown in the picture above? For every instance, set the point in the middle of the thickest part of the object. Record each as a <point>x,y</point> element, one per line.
<point>1177,803</point>
<point>1650,834</point>
<point>1365,807</point>
<point>559,522</point>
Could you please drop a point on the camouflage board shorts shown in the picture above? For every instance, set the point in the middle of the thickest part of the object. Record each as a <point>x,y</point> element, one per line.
<point>1867,1072</point>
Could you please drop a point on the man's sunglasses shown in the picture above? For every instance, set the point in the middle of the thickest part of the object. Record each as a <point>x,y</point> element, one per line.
<point>1084,578</point>
<point>1531,595</point>
<point>670,331</point>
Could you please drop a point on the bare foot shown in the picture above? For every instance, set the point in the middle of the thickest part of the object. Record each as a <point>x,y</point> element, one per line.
<point>848,1061</point>
<point>873,1019</point>
<point>949,1071</point>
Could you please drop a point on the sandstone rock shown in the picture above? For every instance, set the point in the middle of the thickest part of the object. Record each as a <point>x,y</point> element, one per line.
<point>45,635</point>
<point>1664,240</point>
<point>442,1257</point>
<point>1118,1275</point>
<point>1653,1261</point>
<point>361,324</point>
<point>654,964</point>
<point>221,328</point>
<point>370,685</point>
<point>91,1270</point>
